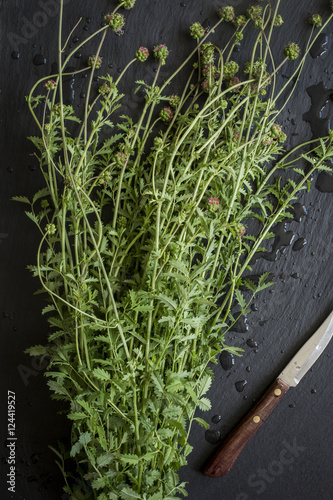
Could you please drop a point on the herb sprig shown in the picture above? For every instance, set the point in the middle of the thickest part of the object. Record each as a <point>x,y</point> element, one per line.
<point>145,244</point>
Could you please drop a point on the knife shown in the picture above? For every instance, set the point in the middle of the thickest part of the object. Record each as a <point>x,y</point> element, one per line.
<point>225,456</point>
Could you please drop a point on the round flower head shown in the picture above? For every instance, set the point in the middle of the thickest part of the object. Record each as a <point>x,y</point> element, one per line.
<point>174,101</point>
<point>166,115</point>
<point>240,230</point>
<point>230,69</point>
<point>127,4</point>
<point>50,228</point>
<point>207,53</point>
<point>51,85</point>
<point>104,89</point>
<point>104,178</point>
<point>197,31</point>
<point>277,134</point>
<point>161,53</point>
<point>142,54</point>
<point>233,81</point>
<point>255,14</point>
<point>291,51</point>
<point>213,203</point>
<point>227,14</point>
<point>238,38</point>
<point>95,62</point>
<point>278,20</point>
<point>116,22</point>
<point>239,21</point>
<point>120,159</point>
<point>315,20</point>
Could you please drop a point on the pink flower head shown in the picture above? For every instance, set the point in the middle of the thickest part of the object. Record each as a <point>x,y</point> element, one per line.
<point>161,53</point>
<point>51,85</point>
<point>95,62</point>
<point>213,202</point>
<point>166,114</point>
<point>242,231</point>
<point>233,81</point>
<point>142,54</point>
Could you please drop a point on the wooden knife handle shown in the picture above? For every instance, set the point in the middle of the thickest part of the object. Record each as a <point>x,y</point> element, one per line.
<point>225,456</point>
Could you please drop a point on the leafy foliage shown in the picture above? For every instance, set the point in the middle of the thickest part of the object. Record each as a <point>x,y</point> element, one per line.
<point>143,258</point>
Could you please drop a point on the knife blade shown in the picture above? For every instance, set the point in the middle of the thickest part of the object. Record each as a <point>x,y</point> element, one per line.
<point>225,456</point>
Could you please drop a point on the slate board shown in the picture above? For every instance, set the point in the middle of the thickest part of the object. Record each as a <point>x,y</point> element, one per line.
<point>285,318</point>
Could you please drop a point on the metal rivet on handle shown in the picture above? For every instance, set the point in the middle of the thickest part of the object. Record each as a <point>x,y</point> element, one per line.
<point>256,419</point>
<point>277,392</point>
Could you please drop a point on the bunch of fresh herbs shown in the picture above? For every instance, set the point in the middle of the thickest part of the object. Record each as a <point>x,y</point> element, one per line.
<point>145,242</point>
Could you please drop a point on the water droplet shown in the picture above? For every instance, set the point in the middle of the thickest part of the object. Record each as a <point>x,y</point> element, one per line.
<point>182,4</point>
<point>318,48</point>
<point>78,55</point>
<point>216,419</point>
<point>212,437</point>
<point>299,244</point>
<point>251,343</point>
<point>76,39</point>
<point>240,385</point>
<point>292,405</point>
<point>16,55</point>
<point>82,95</point>
<point>227,360</point>
<point>86,27</point>
<point>313,391</point>
<point>324,182</point>
<point>88,20</point>
<point>103,24</point>
<point>254,307</point>
<point>320,97</point>
<point>295,275</point>
<point>119,70</point>
<point>248,368</point>
<point>241,325</point>
<point>39,60</point>
<point>299,211</point>
<point>245,398</point>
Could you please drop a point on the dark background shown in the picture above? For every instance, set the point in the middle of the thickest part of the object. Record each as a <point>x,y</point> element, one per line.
<point>285,317</point>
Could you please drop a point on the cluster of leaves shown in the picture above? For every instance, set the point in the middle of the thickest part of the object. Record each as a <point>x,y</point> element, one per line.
<point>143,258</point>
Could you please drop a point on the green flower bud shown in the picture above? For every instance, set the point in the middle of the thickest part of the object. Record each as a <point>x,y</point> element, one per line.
<point>207,53</point>
<point>315,20</point>
<point>50,228</point>
<point>278,20</point>
<point>255,14</point>
<point>104,89</point>
<point>174,101</point>
<point>161,53</point>
<point>238,38</point>
<point>230,69</point>
<point>223,104</point>
<point>94,62</point>
<point>227,14</point>
<point>239,21</point>
<point>127,4</point>
<point>197,31</point>
<point>291,51</point>
<point>166,115</point>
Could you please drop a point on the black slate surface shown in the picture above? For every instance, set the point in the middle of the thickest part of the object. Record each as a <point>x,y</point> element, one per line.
<point>290,458</point>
